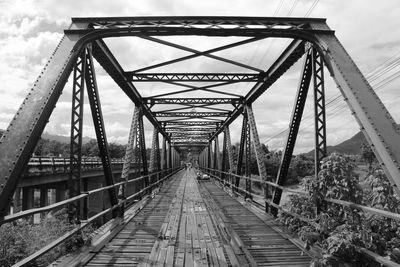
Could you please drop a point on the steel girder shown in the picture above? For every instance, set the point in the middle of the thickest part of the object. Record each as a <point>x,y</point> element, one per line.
<point>164,154</point>
<point>155,152</point>
<point>229,151</point>
<point>129,152</point>
<point>319,109</point>
<point>216,154</point>
<point>191,114</point>
<point>98,123</point>
<point>295,120</point>
<point>239,167</point>
<point>192,77</point>
<point>192,123</point>
<point>74,179</point>
<point>221,26</point>
<point>259,152</point>
<point>192,101</point>
<point>247,165</point>
<point>189,129</point>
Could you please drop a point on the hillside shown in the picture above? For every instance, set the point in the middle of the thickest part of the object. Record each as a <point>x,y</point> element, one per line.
<point>351,146</point>
<point>62,138</point>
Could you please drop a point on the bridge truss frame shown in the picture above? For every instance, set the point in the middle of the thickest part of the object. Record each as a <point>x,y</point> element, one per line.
<point>309,36</point>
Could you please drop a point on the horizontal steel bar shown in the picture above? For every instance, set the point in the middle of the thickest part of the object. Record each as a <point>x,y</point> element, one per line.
<point>188,128</point>
<point>288,32</point>
<point>199,20</point>
<point>192,77</point>
<point>191,114</point>
<point>192,101</point>
<point>192,123</point>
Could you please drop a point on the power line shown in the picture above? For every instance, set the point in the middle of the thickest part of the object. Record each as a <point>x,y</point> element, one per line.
<point>334,108</point>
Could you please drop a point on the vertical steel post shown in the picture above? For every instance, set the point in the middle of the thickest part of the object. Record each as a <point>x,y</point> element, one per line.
<point>248,162</point>
<point>143,151</point>
<point>209,156</point>
<point>169,155</point>
<point>216,156</point>
<point>259,152</point>
<point>98,122</point>
<point>74,179</point>
<point>164,153</point>
<point>297,114</point>
<point>239,168</point>
<point>319,109</point>
<point>229,151</point>
<point>319,113</point>
<point>224,159</point>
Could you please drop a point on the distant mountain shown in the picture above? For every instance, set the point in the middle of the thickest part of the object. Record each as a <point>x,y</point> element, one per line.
<point>351,146</point>
<point>62,138</point>
<point>59,138</point>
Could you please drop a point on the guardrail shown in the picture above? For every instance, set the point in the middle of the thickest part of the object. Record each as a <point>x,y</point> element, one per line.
<point>243,192</point>
<point>84,223</point>
<point>53,165</point>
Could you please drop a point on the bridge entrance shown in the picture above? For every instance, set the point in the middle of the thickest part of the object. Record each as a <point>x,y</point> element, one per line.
<point>192,122</point>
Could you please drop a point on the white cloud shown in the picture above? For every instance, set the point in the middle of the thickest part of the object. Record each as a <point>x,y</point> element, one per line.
<point>30,30</point>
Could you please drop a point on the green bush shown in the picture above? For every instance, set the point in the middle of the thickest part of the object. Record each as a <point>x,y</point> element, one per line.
<point>21,239</point>
<point>340,230</point>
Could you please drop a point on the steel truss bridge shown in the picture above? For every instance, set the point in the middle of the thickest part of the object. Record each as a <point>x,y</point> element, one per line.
<point>182,123</point>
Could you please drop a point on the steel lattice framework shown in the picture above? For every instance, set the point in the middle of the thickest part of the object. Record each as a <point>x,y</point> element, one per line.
<point>182,120</point>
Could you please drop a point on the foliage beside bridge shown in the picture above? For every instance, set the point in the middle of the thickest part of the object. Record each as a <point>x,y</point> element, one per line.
<point>340,230</point>
<point>21,239</point>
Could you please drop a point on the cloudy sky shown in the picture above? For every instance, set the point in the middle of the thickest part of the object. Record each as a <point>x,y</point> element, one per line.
<point>30,30</point>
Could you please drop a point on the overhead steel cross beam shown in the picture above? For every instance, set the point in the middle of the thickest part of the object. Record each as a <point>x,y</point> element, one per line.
<point>189,129</point>
<point>192,101</point>
<point>192,77</point>
<point>192,123</point>
<point>183,23</point>
<point>191,114</point>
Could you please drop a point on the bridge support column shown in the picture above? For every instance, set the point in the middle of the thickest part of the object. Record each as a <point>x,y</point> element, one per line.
<point>319,111</point>
<point>248,161</point>
<point>43,199</point>
<point>227,155</point>
<point>155,156</point>
<point>98,122</point>
<point>16,201</point>
<point>239,167</point>
<point>74,181</point>
<point>297,114</point>
<point>60,192</point>
<point>128,158</point>
<point>259,152</point>
<point>216,157</point>
<point>27,198</point>
<point>209,153</point>
<point>164,155</point>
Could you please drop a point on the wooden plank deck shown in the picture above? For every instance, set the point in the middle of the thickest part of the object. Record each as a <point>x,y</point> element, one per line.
<point>196,224</point>
<point>267,246</point>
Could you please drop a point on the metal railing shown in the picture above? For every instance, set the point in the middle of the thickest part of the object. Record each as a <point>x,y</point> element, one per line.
<point>84,223</point>
<point>225,178</point>
<point>54,165</point>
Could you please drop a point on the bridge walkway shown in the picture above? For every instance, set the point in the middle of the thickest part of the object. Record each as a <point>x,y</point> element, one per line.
<point>190,223</point>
